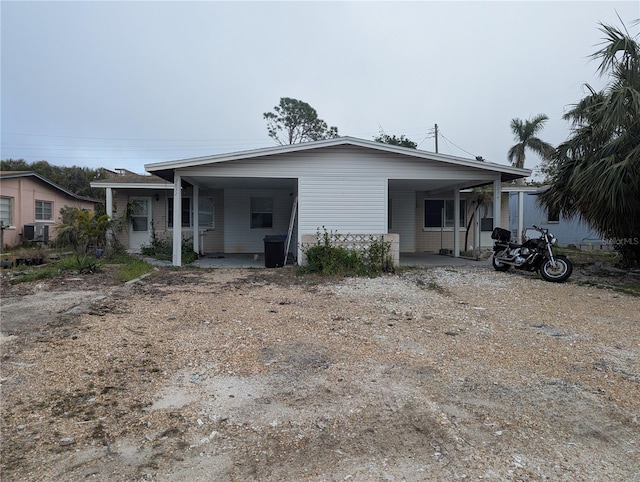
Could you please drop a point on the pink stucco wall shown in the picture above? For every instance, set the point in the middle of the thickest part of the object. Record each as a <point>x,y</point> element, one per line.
<point>24,192</point>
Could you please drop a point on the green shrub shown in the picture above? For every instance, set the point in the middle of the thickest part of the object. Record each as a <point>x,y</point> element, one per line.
<point>87,264</point>
<point>160,249</point>
<point>84,230</point>
<point>329,258</point>
<point>81,264</point>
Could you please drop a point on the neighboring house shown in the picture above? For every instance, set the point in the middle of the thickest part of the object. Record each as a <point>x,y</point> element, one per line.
<point>524,212</point>
<point>345,185</point>
<point>30,206</point>
<point>143,200</point>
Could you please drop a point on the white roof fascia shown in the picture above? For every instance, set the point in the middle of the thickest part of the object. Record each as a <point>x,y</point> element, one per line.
<point>133,185</point>
<point>339,141</point>
<point>516,188</point>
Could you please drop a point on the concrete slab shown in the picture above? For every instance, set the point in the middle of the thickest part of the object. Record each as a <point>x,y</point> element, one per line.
<point>249,260</point>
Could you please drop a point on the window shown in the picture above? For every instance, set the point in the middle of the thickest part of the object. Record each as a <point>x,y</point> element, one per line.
<point>486,216</point>
<point>186,212</point>
<point>553,215</point>
<point>433,213</point>
<point>44,211</point>
<point>205,212</point>
<point>261,212</point>
<point>139,215</point>
<point>6,211</point>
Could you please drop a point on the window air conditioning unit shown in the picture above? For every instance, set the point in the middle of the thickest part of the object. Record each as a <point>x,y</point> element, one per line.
<point>36,233</point>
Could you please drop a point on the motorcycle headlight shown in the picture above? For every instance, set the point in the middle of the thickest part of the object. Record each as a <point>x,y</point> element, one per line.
<point>554,240</point>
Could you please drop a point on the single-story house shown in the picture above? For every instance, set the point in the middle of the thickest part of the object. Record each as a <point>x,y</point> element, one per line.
<point>524,211</point>
<point>30,207</point>
<point>228,203</point>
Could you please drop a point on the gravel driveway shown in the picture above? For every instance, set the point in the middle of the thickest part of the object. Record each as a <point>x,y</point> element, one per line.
<point>446,373</point>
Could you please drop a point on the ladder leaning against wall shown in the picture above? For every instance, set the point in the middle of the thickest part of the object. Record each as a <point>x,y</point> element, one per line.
<point>290,232</point>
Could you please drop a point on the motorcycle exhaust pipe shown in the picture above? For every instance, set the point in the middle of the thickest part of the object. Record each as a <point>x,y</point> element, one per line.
<point>510,263</point>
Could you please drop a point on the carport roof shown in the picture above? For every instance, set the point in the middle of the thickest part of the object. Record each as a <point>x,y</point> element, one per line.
<point>166,169</point>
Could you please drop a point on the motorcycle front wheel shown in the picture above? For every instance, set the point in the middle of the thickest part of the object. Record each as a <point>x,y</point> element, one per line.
<point>558,273</point>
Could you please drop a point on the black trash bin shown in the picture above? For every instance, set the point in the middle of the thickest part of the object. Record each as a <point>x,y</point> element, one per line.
<point>273,251</point>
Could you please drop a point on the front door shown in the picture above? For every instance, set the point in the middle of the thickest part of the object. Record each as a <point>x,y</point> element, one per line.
<point>140,223</point>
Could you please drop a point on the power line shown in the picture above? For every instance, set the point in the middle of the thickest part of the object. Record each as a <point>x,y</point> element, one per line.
<point>102,149</point>
<point>455,145</point>
<point>128,138</point>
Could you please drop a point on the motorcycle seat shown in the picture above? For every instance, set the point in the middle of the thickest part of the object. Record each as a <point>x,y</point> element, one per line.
<point>514,246</point>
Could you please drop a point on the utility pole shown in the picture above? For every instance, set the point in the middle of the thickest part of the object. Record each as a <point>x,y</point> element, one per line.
<point>436,133</point>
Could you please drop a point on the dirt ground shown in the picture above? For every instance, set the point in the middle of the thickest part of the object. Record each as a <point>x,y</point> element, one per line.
<point>241,375</point>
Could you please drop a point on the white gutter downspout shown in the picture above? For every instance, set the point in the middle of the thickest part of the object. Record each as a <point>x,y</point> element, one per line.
<point>177,220</point>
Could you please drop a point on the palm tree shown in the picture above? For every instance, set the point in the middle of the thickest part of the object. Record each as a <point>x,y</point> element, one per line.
<point>84,229</point>
<point>525,133</point>
<point>596,172</point>
<point>480,197</point>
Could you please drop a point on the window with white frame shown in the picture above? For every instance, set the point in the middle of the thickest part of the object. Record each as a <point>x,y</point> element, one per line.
<point>44,211</point>
<point>6,210</point>
<point>553,215</point>
<point>439,213</point>
<point>261,212</point>
<point>205,212</point>
<point>206,218</point>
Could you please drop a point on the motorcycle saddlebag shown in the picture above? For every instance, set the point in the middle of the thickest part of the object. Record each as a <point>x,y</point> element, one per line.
<point>501,235</point>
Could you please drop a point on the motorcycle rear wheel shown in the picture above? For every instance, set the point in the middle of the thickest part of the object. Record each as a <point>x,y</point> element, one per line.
<point>497,265</point>
<point>558,274</point>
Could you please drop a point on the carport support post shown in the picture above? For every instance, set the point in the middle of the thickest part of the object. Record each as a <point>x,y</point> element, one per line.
<point>109,210</point>
<point>520,215</point>
<point>456,223</point>
<point>497,202</point>
<point>196,224</point>
<point>177,221</point>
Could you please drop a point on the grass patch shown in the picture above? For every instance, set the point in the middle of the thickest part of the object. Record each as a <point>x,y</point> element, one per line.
<point>130,267</point>
<point>36,274</point>
<point>132,270</point>
<point>632,289</point>
<point>580,257</point>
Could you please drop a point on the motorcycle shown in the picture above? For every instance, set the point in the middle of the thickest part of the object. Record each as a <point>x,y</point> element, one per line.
<point>535,254</point>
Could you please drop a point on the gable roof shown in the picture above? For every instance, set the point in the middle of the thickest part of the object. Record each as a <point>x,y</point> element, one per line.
<point>22,174</point>
<point>165,169</point>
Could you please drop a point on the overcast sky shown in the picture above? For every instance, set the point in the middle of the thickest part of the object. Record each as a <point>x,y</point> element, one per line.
<point>123,84</point>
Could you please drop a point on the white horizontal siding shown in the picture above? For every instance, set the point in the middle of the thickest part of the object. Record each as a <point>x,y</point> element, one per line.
<point>339,161</point>
<point>343,204</point>
<point>239,237</point>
